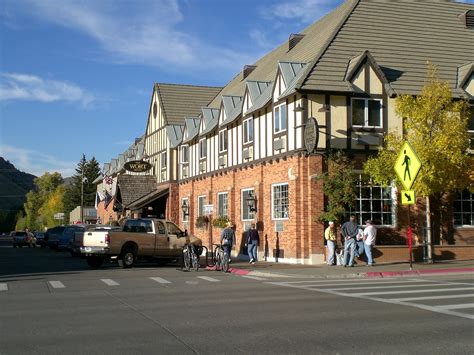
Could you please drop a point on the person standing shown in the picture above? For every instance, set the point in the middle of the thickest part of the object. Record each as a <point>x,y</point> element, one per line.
<point>349,232</point>
<point>370,233</point>
<point>330,236</point>
<point>253,241</point>
<point>228,239</point>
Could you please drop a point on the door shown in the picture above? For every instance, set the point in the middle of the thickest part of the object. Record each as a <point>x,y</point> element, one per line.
<point>162,240</point>
<point>177,239</point>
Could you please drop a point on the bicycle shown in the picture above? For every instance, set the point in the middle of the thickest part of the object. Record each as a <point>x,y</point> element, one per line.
<point>221,258</point>
<point>190,257</point>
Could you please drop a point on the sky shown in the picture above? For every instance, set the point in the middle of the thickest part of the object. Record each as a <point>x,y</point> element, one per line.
<point>76,77</point>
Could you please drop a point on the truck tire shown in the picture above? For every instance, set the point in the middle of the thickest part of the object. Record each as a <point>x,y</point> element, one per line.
<point>94,262</point>
<point>127,259</point>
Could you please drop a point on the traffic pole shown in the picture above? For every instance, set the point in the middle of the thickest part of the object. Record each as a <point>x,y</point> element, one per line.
<point>410,239</point>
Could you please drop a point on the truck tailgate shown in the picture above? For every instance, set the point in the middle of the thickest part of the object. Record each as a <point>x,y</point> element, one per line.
<point>95,238</point>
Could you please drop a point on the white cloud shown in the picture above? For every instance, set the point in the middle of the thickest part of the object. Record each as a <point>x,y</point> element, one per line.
<point>260,39</point>
<point>16,86</point>
<point>304,11</point>
<point>138,32</point>
<point>35,162</point>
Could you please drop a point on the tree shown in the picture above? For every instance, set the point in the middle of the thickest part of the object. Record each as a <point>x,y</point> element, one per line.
<point>53,204</point>
<point>338,187</point>
<point>436,126</point>
<point>82,185</point>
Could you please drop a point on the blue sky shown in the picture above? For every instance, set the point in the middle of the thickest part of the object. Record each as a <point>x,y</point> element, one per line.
<point>77,76</point>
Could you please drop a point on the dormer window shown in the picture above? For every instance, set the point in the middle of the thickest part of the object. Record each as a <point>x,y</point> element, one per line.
<point>279,118</point>
<point>366,113</point>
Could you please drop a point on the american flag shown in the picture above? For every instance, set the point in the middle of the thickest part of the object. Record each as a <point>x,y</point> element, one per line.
<point>108,180</point>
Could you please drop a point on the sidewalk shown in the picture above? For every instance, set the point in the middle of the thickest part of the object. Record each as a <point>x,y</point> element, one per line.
<point>278,270</point>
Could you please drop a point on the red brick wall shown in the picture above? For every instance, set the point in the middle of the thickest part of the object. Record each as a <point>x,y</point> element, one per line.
<point>301,238</point>
<point>108,214</point>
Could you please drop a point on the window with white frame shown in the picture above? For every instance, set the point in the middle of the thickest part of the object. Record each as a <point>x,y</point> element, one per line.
<point>366,113</point>
<point>201,203</point>
<point>222,204</point>
<point>184,154</point>
<point>280,202</point>
<point>247,127</point>
<point>374,202</point>
<point>279,118</point>
<point>203,148</point>
<point>223,141</point>
<point>164,164</point>
<point>463,209</point>
<point>185,216</point>
<point>246,214</point>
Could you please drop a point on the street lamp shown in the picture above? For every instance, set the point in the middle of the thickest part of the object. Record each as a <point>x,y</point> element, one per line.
<point>185,208</point>
<point>83,181</point>
<point>252,201</point>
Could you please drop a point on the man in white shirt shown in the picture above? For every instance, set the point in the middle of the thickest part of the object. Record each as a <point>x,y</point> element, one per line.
<point>370,233</point>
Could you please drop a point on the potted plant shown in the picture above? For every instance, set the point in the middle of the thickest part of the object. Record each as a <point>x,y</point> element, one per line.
<point>202,221</point>
<point>220,221</point>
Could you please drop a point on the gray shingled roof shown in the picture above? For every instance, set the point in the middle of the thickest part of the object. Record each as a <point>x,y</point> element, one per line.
<point>149,197</point>
<point>401,37</point>
<point>172,97</point>
<point>191,129</point>
<point>210,119</point>
<point>306,50</point>
<point>132,187</point>
<point>175,135</point>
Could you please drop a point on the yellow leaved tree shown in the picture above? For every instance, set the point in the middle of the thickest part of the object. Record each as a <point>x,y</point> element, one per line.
<point>436,126</point>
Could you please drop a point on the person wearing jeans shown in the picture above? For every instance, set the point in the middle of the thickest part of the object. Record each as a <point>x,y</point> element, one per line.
<point>330,236</point>
<point>253,241</point>
<point>370,233</point>
<point>349,232</point>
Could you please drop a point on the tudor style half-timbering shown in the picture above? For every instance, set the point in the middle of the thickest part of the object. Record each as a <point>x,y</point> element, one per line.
<point>342,73</point>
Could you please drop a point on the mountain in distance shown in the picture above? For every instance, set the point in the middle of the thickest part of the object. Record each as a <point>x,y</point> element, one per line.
<point>14,185</point>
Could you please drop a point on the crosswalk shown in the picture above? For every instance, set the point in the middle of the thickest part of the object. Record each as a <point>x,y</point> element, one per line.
<point>451,298</point>
<point>53,285</point>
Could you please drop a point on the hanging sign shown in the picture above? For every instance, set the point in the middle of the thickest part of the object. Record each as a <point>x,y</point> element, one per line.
<point>311,134</point>
<point>137,166</point>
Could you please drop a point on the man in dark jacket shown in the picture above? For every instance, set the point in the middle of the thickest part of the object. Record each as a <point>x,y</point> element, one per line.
<point>349,231</point>
<point>228,239</point>
<point>253,241</point>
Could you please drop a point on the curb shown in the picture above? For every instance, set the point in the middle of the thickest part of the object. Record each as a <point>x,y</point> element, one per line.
<point>384,274</point>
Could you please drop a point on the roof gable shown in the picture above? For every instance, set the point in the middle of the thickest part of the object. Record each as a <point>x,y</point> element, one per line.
<point>232,108</point>
<point>464,73</point>
<point>191,128</point>
<point>210,120</point>
<point>175,135</point>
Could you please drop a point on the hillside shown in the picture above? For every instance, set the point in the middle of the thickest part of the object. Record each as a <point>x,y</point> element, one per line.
<point>14,185</point>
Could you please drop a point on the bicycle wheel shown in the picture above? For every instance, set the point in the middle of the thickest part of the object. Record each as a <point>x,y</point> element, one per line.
<point>225,263</point>
<point>186,259</point>
<point>195,260</point>
<point>217,256</point>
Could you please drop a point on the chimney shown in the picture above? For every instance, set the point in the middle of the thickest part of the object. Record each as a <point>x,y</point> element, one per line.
<point>294,39</point>
<point>247,70</point>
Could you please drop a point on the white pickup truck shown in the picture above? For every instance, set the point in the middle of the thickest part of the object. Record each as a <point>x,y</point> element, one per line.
<point>142,238</point>
<point>94,236</point>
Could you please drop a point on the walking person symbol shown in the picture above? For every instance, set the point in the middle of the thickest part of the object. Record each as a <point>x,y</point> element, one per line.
<point>406,162</point>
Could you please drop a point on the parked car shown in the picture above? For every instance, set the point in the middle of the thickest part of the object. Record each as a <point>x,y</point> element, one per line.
<point>52,236</point>
<point>67,236</point>
<point>21,238</point>
<point>98,231</point>
<point>40,239</point>
<point>144,238</point>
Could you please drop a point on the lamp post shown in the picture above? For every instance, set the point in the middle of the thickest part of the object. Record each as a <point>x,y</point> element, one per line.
<point>252,201</point>
<point>185,209</point>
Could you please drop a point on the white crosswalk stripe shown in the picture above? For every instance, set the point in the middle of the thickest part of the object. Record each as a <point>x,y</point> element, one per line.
<point>56,284</point>
<point>110,282</point>
<point>160,280</point>
<point>210,279</point>
<point>388,290</point>
<point>3,287</point>
<point>254,277</point>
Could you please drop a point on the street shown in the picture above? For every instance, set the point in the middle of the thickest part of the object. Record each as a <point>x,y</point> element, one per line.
<point>53,303</point>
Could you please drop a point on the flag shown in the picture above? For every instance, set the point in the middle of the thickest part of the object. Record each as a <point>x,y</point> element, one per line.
<point>98,199</point>
<point>108,180</point>
<point>107,199</point>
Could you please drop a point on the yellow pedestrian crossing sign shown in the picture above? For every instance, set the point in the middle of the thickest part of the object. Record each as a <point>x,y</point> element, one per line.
<point>407,165</point>
<point>408,197</point>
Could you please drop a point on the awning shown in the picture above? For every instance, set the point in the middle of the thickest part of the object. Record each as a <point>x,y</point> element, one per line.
<point>147,199</point>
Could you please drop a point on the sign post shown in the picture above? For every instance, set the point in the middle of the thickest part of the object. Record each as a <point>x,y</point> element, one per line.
<point>407,167</point>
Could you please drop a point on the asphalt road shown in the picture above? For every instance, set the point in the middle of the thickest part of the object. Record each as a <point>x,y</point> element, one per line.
<point>51,303</point>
